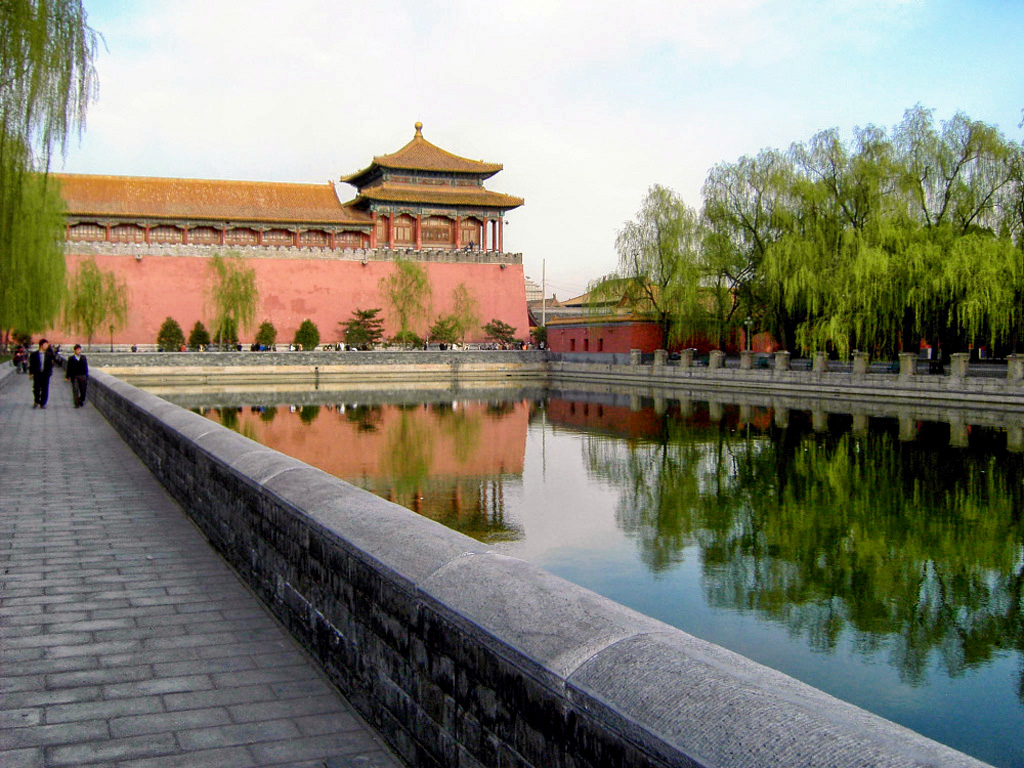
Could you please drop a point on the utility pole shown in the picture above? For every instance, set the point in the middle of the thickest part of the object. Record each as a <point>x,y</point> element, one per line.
<point>544,292</point>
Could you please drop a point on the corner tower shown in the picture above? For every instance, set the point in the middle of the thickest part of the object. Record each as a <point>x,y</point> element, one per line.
<point>425,197</point>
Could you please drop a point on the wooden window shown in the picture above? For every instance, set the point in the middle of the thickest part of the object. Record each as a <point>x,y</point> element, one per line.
<point>437,230</point>
<point>204,236</point>
<point>403,230</point>
<point>127,233</point>
<point>348,240</point>
<point>165,235</point>
<point>572,345</point>
<point>382,231</point>
<point>242,236</point>
<point>314,237</point>
<point>279,237</point>
<point>91,233</point>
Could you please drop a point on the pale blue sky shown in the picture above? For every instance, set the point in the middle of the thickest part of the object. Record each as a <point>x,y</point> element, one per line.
<point>585,103</point>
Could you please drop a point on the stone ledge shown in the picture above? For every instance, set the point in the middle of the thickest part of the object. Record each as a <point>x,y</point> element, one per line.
<point>462,656</point>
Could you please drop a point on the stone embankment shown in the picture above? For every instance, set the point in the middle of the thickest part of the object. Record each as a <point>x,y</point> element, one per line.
<point>468,658</point>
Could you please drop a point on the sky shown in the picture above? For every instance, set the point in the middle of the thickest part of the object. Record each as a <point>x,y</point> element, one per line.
<point>586,103</point>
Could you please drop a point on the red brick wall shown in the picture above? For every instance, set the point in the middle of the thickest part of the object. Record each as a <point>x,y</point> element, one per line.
<point>291,290</point>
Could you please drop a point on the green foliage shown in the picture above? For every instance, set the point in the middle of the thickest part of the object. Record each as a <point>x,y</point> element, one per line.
<point>227,334</point>
<point>199,336</point>
<point>407,292</point>
<point>540,334</point>
<point>170,338</point>
<point>233,294</point>
<point>500,331</point>
<point>665,271</point>
<point>307,336</point>
<point>465,314</point>
<point>364,329</point>
<point>407,340</point>
<point>46,81</point>
<point>445,330</point>
<point>96,299</point>
<point>266,336</point>
<point>878,242</point>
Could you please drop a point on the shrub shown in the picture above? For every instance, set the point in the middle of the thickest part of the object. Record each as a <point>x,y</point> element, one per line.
<point>307,336</point>
<point>407,339</point>
<point>199,336</point>
<point>266,336</point>
<point>170,337</point>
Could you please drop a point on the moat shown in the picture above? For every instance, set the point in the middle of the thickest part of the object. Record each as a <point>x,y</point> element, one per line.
<point>879,559</point>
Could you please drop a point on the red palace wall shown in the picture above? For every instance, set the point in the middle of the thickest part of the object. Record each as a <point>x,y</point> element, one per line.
<point>292,289</point>
<point>601,337</point>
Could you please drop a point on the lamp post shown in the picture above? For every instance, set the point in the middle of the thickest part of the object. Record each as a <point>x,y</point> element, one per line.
<point>749,322</point>
<point>111,338</point>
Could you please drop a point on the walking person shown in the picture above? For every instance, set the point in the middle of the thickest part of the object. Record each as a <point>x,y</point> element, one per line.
<point>40,368</point>
<point>76,370</point>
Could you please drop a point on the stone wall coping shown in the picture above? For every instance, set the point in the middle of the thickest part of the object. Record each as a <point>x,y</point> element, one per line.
<point>634,682</point>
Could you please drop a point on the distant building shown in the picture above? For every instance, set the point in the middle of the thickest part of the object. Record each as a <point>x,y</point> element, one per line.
<point>314,256</point>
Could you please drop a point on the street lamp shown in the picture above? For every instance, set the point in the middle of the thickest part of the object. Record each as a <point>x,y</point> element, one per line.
<point>749,322</point>
<point>111,338</point>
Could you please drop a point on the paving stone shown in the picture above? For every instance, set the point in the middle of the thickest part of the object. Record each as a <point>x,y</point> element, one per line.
<point>126,641</point>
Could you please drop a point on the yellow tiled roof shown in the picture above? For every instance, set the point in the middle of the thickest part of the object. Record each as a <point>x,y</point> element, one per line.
<point>206,199</point>
<point>420,155</point>
<point>439,195</point>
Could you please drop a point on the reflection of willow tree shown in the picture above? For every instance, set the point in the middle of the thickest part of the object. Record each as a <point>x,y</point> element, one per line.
<point>464,430</point>
<point>408,453</point>
<point>919,549</point>
<point>268,413</point>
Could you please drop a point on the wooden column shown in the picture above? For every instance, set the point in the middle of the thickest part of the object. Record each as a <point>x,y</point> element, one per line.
<point>419,231</point>
<point>501,235</point>
<point>147,234</point>
<point>391,230</point>
<point>184,235</point>
<point>483,233</point>
<point>295,237</point>
<point>458,232</point>
<point>330,239</point>
<point>373,229</point>
<point>107,228</point>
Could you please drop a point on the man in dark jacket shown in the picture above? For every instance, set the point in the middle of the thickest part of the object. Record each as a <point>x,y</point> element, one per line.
<point>40,368</point>
<point>76,370</point>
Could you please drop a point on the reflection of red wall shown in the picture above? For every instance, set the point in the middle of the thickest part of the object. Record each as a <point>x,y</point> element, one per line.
<point>336,445</point>
<point>617,419</point>
<point>291,290</point>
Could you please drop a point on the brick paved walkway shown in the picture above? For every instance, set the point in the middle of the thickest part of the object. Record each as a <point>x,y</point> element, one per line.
<point>124,639</point>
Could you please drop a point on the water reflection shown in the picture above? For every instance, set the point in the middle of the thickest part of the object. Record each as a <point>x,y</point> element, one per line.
<point>446,460</point>
<point>887,540</point>
<point>833,531</point>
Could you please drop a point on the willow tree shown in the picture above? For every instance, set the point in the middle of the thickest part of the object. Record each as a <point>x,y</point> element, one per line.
<point>233,295</point>
<point>46,82</point>
<point>96,299</point>
<point>406,291</point>
<point>662,270</point>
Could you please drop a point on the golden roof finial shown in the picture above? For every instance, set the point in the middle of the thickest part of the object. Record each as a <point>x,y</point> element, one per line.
<point>419,129</point>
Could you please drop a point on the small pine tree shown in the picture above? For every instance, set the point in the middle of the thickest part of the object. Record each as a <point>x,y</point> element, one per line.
<point>364,328</point>
<point>445,330</point>
<point>170,337</point>
<point>307,336</point>
<point>199,336</point>
<point>266,336</point>
<point>500,331</point>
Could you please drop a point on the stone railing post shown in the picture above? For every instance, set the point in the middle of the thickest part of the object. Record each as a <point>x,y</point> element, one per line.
<point>716,359</point>
<point>959,364</point>
<point>782,360</point>
<point>661,357</point>
<point>908,364</point>
<point>860,363</point>
<point>634,357</point>
<point>746,360</point>
<point>686,358</point>
<point>1015,368</point>
<point>820,363</point>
